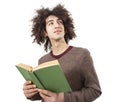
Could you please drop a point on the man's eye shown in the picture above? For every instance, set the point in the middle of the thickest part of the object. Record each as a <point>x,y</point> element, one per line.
<point>60,21</point>
<point>51,23</point>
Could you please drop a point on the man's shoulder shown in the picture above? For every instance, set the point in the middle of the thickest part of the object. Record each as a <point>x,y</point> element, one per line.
<point>45,55</point>
<point>80,52</point>
<point>45,58</point>
<point>80,49</point>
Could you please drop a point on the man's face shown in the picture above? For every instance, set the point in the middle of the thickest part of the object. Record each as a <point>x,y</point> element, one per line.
<point>54,28</point>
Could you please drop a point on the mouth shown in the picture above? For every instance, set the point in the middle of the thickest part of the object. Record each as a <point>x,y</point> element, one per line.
<point>57,31</point>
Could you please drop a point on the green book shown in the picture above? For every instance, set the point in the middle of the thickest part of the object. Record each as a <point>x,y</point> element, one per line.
<point>48,75</point>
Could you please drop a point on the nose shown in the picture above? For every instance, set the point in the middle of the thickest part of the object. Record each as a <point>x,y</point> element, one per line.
<point>56,24</point>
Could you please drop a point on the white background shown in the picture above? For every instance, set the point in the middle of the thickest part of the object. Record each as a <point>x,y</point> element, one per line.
<point>97,25</point>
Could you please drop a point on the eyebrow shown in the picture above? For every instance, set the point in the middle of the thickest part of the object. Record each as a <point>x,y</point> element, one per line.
<point>49,21</point>
<point>52,20</point>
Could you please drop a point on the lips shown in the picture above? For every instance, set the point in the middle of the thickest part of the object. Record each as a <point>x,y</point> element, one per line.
<point>57,31</point>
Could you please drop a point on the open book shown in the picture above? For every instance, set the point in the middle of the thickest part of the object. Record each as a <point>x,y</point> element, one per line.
<point>47,76</point>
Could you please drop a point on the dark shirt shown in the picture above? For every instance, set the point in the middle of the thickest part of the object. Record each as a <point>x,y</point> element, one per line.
<point>79,70</point>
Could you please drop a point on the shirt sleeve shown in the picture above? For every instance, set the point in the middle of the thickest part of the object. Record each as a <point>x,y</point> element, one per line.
<point>91,88</point>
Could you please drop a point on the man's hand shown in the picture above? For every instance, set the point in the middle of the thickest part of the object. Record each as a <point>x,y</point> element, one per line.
<point>49,96</point>
<point>29,89</point>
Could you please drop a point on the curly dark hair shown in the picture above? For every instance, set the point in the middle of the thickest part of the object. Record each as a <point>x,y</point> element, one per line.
<point>39,25</point>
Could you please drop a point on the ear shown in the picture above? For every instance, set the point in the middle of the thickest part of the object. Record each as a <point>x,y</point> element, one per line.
<point>45,34</point>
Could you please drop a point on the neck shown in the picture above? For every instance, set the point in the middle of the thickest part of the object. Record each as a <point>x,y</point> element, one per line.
<point>59,47</point>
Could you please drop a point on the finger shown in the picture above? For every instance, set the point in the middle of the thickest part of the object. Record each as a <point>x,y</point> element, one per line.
<point>27,87</point>
<point>45,97</point>
<point>48,98</point>
<point>30,91</point>
<point>46,92</point>
<point>27,83</point>
<point>30,94</point>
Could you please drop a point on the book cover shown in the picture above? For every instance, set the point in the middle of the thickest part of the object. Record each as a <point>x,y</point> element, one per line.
<point>29,75</point>
<point>48,75</point>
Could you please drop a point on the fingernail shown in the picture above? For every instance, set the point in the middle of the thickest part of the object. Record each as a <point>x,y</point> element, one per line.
<point>29,82</point>
<point>39,90</point>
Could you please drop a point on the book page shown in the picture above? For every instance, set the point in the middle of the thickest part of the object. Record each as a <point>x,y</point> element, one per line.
<point>46,64</point>
<point>24,66</point>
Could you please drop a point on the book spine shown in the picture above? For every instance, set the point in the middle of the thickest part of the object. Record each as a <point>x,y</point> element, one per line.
<point>36,81</point>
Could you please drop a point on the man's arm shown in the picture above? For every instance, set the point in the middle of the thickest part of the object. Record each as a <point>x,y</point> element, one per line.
<point>91,89</point>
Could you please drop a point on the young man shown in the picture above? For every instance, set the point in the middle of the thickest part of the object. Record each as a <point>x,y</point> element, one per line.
<point>54,28</point>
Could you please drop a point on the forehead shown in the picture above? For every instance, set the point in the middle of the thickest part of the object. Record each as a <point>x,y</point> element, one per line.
<point>51,17</point>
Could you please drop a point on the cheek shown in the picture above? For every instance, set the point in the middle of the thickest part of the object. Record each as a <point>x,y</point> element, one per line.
<point>63,28</point>
<point>64,31</point>
<point>49,32</point>
<point>48,29</point>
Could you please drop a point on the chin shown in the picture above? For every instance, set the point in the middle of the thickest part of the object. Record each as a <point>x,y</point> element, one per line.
<point>58,39</point>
